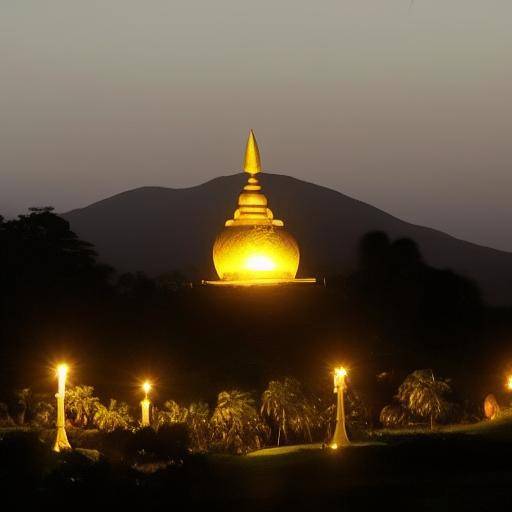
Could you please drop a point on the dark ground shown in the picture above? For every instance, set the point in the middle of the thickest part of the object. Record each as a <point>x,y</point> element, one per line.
<point>447,471</point>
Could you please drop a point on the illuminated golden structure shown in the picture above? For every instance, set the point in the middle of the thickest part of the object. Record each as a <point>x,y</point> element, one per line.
<point>145,405</point>
<point>254,247</point>
<point>491,407</point>
<point>340,438</point>
<point>509,383</point>
<point>61,440</point>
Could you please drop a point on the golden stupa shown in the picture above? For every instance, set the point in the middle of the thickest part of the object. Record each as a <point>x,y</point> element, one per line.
<point>253,247</point>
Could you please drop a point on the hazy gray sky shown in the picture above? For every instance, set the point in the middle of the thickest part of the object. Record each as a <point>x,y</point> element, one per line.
<point>409,110</point>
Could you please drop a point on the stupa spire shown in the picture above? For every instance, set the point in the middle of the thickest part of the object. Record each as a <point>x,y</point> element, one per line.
<point>252,163</point>
<point>252,204</point>
<point>253,247</point>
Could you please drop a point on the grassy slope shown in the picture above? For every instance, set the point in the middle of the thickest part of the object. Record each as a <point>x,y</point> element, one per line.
<point>462,467</point>
<point>496,430</point>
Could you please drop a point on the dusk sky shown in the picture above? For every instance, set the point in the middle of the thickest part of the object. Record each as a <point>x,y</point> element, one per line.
<point>406,108</point>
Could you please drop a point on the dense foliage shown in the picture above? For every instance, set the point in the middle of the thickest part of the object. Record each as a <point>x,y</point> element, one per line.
<point>288,409</point>
<point>421,397</point>
<point>392,312</point>
<point>236,424</point>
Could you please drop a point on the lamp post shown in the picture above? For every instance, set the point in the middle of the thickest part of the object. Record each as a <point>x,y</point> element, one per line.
<point>339,439</point>
<point>146,387</point>
<point>61,441</point>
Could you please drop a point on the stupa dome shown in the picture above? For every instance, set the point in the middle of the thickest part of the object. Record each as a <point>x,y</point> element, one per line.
<point>253,245</point>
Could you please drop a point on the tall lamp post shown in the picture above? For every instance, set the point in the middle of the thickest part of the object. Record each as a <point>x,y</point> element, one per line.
<point>145,404</point>
<point>61,441</point>
<point>340,439</point>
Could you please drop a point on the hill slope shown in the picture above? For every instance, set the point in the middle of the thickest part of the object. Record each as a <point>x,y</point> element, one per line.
<point>158,230</point>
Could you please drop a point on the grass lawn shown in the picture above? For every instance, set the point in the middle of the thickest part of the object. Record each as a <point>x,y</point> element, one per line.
<point>498,430</point>
<point>454,468</point>
<point>463,467</point>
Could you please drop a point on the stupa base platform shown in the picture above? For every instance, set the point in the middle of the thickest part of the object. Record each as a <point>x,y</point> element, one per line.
<point>261,282</point>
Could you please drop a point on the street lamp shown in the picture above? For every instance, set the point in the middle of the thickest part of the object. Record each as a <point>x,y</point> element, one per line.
<point>339,439</point>
<point>146,387</point>
<point>61,441</point>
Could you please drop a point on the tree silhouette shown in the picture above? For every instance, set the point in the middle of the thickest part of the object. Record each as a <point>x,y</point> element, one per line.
<point>115,416</point>
<point>420,396</point>
<point>171,413</point>
<point>407,305</point>
<point>235,423</point>
<point>285,405</point>
<point>41,257</point>
<point>198,422</point>
<point>81,404</point>
<point>424,395</point>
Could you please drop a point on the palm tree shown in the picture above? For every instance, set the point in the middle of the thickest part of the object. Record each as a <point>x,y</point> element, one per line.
<point>44,414</point>
<point>424,395</point>
<point>284,403</point>
<point>35,408</point>
<point>393,415</point>
<point>198,425</point>
<point>112,417</point>
<point>327,419</point>
<point>5,417</point>
<point>81,404</point>
<point>305,419</point>
<point>235,423</point>
<point>171,413</point>
<point>24,403</point>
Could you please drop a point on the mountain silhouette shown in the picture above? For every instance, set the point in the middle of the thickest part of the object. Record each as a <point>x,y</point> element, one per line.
<point>159,230</point>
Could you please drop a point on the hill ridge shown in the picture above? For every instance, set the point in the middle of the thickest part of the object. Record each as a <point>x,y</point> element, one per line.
<point>159,229</point>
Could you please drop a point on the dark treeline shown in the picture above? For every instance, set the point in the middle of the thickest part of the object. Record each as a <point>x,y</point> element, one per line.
<point>410,307</point>
<point>392,315</point>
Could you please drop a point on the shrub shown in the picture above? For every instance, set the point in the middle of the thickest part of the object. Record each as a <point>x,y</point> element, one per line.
<point>44,415</point>
<point>5,417</point>
<point>393,416</point>
<point>81,404</point>
<point>24,459</point>
<point>113,417</point>
<point>170,443</point>
<point>171,413</point>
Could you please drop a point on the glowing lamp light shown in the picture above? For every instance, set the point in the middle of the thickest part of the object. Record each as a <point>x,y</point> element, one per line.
<point>259,251</point>
<point>260,262</point>
<point>145,405</point>
<point>146,387</point>
<point>340,372</point>
<point>62,370</point>
<point>340,438</point>
<point>61,439</point>
<point>509,383</point>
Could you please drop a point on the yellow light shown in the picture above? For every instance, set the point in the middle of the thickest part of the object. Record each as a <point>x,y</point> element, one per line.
<point>340,372</point>
<point>146,387</point>
<point>62,370</point>
<point>255,252</point>
<point>509,382</point>
<point>333,446</point>
<point>259,262</point>
<point>61,440</point>
<point>253,244</point>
